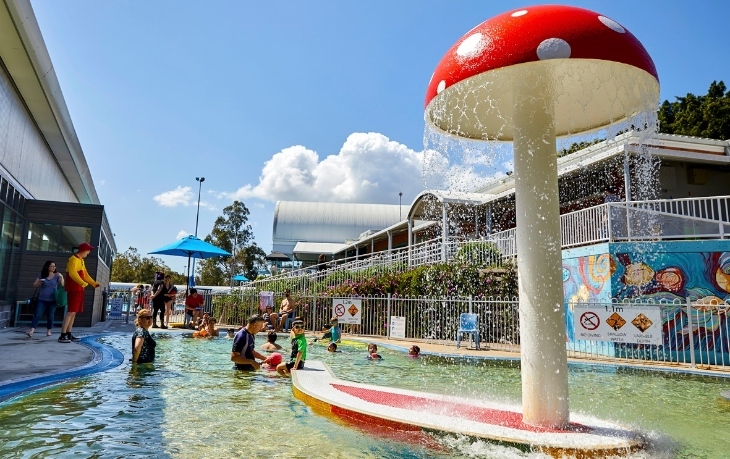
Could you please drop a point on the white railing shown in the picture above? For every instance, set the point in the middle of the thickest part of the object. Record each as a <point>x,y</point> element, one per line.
<point>689,218</point>
<point>694,332</point>
<point>713,208</point>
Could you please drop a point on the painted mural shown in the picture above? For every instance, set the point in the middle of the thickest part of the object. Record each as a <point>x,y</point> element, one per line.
<point>664,277</point>
<point>585,279</point>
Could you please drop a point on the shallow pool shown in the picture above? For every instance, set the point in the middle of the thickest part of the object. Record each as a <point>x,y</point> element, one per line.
<point>191,403</point>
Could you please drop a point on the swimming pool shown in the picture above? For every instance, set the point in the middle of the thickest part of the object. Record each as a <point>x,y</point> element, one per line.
<point>191,403</point>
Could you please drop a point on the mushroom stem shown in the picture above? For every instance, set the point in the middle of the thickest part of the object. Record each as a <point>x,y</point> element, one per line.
<point>542,319</point>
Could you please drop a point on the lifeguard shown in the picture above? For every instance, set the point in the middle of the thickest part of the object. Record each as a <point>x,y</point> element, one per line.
<point>76,279</point>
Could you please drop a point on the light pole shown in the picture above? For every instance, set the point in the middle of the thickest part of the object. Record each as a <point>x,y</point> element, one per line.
<point>400,201</point>
<point>197,217</point>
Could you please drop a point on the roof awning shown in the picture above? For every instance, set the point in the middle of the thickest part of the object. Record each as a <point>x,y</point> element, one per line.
<point>317,248</point>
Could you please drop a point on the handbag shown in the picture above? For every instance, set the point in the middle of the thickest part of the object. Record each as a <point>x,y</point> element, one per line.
<point>61,296</point>
<point>33,301</point>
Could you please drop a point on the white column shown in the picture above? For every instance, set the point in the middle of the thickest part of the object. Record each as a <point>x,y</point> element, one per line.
<point>542,330</point>
<point>410,240</point>
<point>444,230</point>
<point>390,242</point>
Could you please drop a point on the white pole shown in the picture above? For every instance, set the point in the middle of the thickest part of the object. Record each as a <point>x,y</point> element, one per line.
<point>542,327</point>
<point>444,231</point>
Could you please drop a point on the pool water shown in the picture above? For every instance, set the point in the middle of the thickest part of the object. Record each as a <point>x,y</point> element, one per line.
<point>191,403</point>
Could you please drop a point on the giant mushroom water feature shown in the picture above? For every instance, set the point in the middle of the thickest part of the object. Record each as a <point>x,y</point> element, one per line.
<point>529,76</point>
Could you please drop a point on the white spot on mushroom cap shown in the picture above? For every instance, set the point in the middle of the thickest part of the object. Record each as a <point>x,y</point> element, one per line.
<point>441,86</point>
<point>611,24</point>
<point>519,13</point>
<point>471,46</point>
<point>553,48</point>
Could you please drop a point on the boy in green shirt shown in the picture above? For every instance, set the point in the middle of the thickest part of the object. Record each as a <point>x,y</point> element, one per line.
<point>298,350</point>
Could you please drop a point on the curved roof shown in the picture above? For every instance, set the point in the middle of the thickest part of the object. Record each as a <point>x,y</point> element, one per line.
<point>328,221</point>
<point>419,210</point>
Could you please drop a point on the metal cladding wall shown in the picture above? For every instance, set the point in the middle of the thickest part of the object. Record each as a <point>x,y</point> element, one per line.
<point>72,214</point>
<point>327,222</point>
<point>24,154</point>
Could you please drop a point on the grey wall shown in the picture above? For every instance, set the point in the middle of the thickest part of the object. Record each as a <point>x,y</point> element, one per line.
<point>71,214</point>
<point>23,151</point>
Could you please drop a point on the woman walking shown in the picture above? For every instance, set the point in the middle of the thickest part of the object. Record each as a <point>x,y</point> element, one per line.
<point>47,283</point>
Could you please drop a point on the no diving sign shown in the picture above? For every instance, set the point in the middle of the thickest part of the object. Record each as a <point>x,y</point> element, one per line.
<point>590,320</point>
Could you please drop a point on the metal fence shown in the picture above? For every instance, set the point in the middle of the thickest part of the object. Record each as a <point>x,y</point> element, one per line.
<point>695,332</point>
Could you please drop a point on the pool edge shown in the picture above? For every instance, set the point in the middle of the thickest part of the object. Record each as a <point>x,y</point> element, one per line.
<point>103,358</point>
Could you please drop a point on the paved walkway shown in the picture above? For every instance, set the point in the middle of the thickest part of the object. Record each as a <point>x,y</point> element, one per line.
<point>24,357</point>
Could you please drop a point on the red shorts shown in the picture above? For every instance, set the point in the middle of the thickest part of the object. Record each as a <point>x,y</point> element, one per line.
<point>76,301</point>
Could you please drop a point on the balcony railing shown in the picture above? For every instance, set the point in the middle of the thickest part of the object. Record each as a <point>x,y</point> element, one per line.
<point>666,219</point>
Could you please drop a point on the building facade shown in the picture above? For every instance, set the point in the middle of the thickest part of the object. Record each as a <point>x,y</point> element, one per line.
<point>48,202</point>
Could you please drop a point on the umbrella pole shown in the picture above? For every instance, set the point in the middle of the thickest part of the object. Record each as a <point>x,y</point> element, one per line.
<point>188,276</point>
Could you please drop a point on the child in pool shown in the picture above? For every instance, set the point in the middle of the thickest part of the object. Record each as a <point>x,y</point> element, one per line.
<point>414,351</point>
<point>332,348</point>
<point>208,332</point>
<point>270,344</point>
<point>298,350</point>
<point>373,352</point>
<point>335,332</point>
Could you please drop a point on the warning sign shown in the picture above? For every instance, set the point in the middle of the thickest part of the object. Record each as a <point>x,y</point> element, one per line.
<point>642,322</point>
<point>608,322</point>
<point>347,310</point>
<point>615,321</point>
<point>589,320</point>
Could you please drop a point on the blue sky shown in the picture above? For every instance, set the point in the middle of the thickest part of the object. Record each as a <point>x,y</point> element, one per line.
<point>288,100</point>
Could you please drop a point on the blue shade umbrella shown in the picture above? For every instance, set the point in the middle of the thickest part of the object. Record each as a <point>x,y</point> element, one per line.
<point>191,247</point>
<point>240,278</point>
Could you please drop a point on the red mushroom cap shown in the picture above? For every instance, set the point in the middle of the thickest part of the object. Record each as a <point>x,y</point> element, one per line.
<point>534,34</point>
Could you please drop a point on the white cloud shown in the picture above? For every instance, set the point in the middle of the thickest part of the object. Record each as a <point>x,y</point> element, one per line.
<point>369,168</point>
<point>181,234</point>
<point>181,196</point>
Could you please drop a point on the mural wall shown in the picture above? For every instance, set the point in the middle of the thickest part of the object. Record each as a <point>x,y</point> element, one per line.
<point>663,272</point>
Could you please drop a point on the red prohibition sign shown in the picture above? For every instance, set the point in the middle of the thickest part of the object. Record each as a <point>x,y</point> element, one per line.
<point>340,310</point>
<point>590,320</point>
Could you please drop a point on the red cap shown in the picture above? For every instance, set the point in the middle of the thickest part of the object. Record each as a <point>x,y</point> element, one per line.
<point>84,246</point>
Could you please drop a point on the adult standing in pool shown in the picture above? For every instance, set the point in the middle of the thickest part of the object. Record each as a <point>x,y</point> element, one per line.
<point>47,283</point>
<point>76,279</point>
<point>143,345</point>
<point>244,354</point>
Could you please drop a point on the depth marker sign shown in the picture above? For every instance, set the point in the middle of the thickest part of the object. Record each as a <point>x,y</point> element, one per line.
<point>347,311</point>
<point>618,323</point>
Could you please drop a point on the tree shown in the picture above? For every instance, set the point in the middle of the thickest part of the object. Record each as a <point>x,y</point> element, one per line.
<point>700,116</point>
<point>129,266</point>
<point>232,232</point>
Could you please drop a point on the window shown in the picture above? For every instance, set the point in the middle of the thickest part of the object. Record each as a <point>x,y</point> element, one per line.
<point>42,237</point>
<point>72,236</point>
